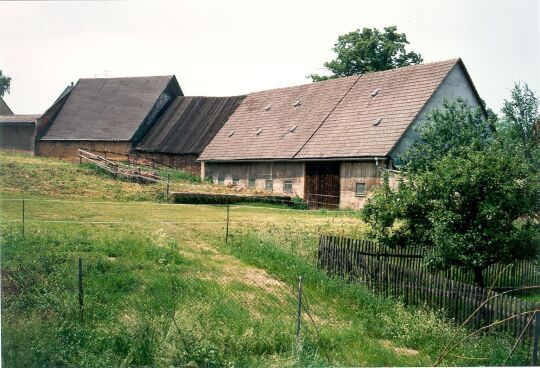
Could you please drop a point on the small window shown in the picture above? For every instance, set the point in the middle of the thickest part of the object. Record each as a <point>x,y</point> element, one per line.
<point>297,103</point>
<point>360,189</point>
<point>251,183</point>
<point>221,180</point>
<point>269,185</point>
<point>267,108</point>
<point>287,186</point>
<point>235,182</point>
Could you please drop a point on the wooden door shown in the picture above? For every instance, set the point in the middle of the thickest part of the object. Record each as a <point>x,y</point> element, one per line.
<point>322,184</point>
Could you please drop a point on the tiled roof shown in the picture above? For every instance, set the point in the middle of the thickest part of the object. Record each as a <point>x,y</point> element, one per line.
<point>107,108</point>
<point>353,129</point>
<point>336,118</point>
<point>18,119</point>
<point>274,112</point>
<point>188,124</point>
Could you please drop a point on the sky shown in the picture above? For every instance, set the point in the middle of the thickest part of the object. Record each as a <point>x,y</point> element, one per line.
<point>233,47</point>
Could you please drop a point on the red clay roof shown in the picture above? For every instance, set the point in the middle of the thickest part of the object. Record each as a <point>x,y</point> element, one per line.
<point>334,120</point>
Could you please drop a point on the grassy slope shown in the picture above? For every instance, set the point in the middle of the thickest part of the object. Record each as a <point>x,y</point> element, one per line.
<point>172,293</point>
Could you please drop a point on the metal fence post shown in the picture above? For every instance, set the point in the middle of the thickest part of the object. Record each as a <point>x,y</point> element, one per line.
<point>81,300</point>
<point>536,337</point>
<point>168,179</point>
<point>299,315</point>
<point>23,218</point>
<point>227,226</point>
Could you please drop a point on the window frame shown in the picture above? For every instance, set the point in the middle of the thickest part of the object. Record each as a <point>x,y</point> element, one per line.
<point>356,192</point>
<point>266,186</point>
<point>252,183</point>
<point>285,182</point>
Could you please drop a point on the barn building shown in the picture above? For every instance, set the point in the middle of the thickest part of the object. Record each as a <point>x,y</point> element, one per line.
<point>104,114</point>
<point>328,142</point>
<point>183,131</point>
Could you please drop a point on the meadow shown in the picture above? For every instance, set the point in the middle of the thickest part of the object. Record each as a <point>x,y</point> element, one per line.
<point>163,288</point>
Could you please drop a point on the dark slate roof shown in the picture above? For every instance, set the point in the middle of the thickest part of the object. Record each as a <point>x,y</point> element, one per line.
<point>18,119</point>
<point>109,109</point>
<point>333,119</point>
<point>4,108</point>
<point>189,124</point>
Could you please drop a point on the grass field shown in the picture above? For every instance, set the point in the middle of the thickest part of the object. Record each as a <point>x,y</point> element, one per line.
<point>162,288</point>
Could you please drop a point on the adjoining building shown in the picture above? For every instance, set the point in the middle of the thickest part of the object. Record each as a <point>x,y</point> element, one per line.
<point>182,132</point>
<point>104,114</point>
<point>18,133</point>
<point>328,142</point>
<point>4,108</point>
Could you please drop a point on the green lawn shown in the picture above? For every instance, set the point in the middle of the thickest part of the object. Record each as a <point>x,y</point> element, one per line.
<point>162,288</point>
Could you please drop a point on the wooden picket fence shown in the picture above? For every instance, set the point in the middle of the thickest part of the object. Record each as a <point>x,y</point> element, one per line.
<point>497,277</point>
<point>401,274</point>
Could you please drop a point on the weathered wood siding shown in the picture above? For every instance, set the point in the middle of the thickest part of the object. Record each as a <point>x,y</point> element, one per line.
<point>353,172</point>
<point>278,172</point>
<point>19,138</point>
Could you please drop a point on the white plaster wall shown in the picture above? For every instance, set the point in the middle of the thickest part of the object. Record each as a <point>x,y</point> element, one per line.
<point>455,85</point>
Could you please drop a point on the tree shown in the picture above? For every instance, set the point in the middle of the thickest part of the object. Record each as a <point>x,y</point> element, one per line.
<point>474,205</point>
<point>447,131</point>
<point>521,117</point>
<point>369,50</point>
<point>5,83</point>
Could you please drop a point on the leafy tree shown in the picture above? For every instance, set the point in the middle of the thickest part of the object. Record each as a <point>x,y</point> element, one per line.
<point>446,132</point>
<point>474,204</point>
<point>369,50</point>
<point>521,118</point>
<point>5,83</point>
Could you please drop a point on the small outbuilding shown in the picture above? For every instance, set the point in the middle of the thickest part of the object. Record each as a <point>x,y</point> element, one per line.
<point>329,142</point>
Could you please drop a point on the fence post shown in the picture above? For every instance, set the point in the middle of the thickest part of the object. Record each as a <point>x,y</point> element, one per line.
<point>299,316</point>
<point>227,226</point>
<point>81,300</point>
<point>23,217</point>
<point>536,337</point>
<point>168,179</point>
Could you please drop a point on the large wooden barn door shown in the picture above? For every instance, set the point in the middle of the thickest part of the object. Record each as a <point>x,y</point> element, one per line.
<point>322,184</point>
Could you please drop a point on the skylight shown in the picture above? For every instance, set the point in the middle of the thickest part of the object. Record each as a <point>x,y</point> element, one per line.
<point>377,122</point>
<point>267,108</point>
<point>259,131</point>
<point>375,93</point>
<point>297,103</point>
<point>231,133</point>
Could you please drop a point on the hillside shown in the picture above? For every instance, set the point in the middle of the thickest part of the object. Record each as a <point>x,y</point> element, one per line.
<point>162,288</point>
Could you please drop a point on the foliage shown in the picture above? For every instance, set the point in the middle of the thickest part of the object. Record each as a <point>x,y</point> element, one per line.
<point>470,200</point>
<point>447,131</point>
<point>298,203</point>
<point>521,117</point>
<point>5,84</point>
<point>369,50</point>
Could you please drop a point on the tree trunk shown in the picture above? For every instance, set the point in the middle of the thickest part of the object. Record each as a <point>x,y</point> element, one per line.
<point>478,276</point>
